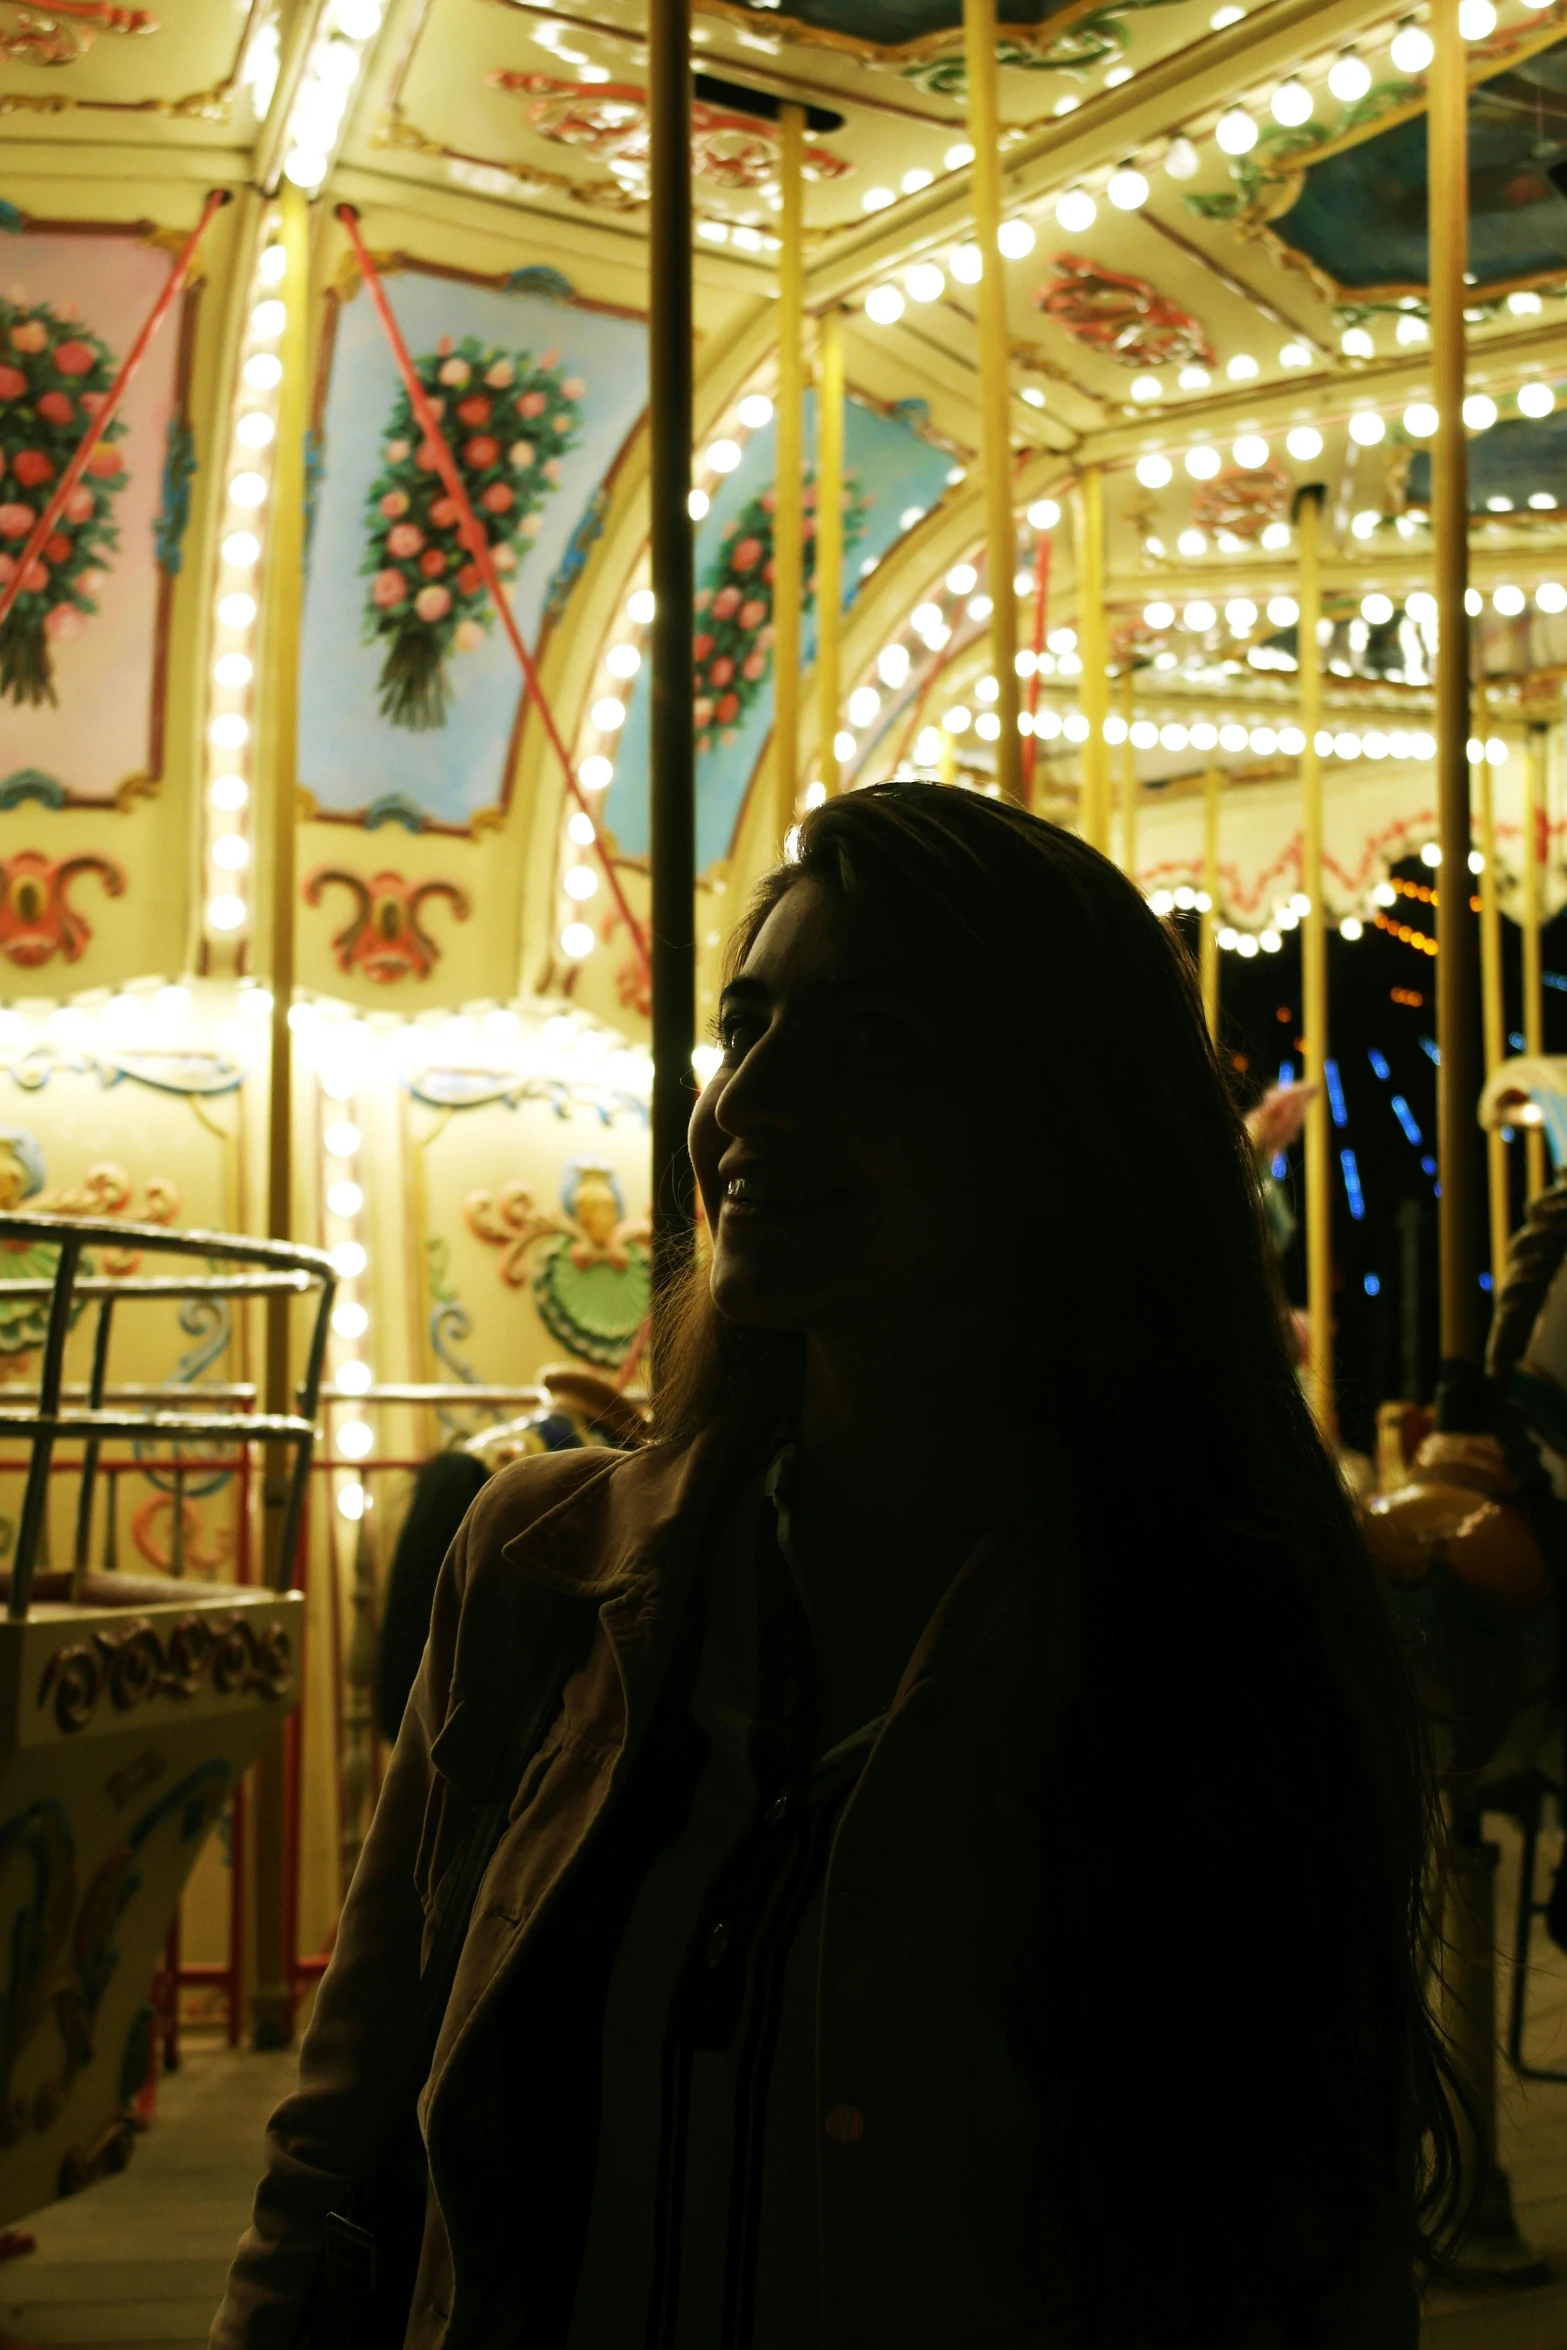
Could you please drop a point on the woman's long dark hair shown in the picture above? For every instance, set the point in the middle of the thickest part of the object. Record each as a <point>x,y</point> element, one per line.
<point>1247,2101</point>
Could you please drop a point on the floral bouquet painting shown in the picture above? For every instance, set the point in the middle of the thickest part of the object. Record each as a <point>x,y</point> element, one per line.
<point>509,420</point>
<point>734,608</point>
<point>54,377</point>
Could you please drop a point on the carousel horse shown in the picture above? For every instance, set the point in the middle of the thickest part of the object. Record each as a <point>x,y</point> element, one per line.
<point>569,1408</point>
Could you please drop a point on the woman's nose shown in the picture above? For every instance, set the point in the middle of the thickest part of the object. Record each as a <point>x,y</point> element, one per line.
<point>770,1089</point>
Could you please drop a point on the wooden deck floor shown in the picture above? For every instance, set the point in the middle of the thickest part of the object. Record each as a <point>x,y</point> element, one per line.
<point>140,2259</point>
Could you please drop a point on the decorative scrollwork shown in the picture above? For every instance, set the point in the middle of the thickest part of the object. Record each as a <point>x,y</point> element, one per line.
<point>1243,503</point>
<point>64,30</point>
<point>135,1664</point>
<point>1124,318</point>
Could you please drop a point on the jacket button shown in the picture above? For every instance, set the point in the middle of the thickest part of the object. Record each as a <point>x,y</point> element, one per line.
<point>844,2124</point>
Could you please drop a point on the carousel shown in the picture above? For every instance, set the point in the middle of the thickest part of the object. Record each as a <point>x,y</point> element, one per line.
<point>431,432</point>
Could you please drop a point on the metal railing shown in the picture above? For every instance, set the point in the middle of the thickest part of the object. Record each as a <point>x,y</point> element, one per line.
<point>277,1269</point>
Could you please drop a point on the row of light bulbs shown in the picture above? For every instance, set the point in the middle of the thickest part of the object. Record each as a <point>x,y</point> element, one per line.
<point>315,122</point>
<point>229,724</point>
<point>1251,452</point>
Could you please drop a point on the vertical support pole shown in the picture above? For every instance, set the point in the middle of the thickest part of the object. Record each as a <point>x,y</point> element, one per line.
<point>1493,1020</point>
<point>1457,994</point>
<point>1129,784</point>
<point>272,2001</point>
<point>829,545</point>
<point>672,738</point>
<point>1094,653</point>
<point>995,431</point>
<point>788,488</point>
<point>1041,609</point>
<point>1210,918</point>
<point>1314,972</point>
<point>1534,839</point>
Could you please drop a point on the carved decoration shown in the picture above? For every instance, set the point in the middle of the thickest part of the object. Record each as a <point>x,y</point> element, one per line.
<point>385,940</point>
<point>590,1268</point>
<point>609,121</point>
<point>136,1663</point>
<point>1243,503</point>
<point>37,920</point>
<point>1123,318</point>
<point>63,30</point>
<point>64,1952</point>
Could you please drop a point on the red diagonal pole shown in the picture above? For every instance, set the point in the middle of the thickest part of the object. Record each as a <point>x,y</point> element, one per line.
<point>475,538</point>
<point>95,430</point>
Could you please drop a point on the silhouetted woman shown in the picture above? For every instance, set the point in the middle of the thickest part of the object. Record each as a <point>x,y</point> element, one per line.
<point>972,1891</point>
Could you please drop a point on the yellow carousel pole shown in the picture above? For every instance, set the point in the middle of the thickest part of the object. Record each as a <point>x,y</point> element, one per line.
<point>788,501</point>
<point>829,545</point>
<point>1533,998</point>
<point>1314,972</point>
<point>1490,2247</point>
<point>984,130</point>
<point>1094,653</point>
<point>1457,995</point>
<point>1129,784</point>
<point>1210,918</point>
<point>1492,1016</point>
<point>272,2002</point>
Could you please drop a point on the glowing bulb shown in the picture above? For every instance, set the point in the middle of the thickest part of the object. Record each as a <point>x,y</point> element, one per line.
<point>697,505</point>
<point>1349,77</point>
<point>232,669</point>
<point>884,305</point>
<point>723,456</point>
<point>263,371</point>
<point>1250,452</point>
<point>344,1199</point>
<point>579,882</point>
<point>1479,412</point>
<point>1476,19</point>
<point>1304,442</point>
<point>225,912</point>
<point>1203,463</point>
<point>1235,132</point>
<point>1535,399</point>
<point>623,660</point>
<point>576,941</point>
<point>924,282</point>
<point>1378,609</point>
<point>1420,420</point>
<point>231,853</point>
<point>1015,239</point>
<point>1412,48</point>
<point>241,549</point>
<point>267,321</point>
<point>1366,428</point>
<point>1292,103</point>
<point>967,264</point>
<point>608,713</point>
<point>1127,189</point>
<point>229,793</point>
<point>248,490</point>
<point>340,1141</point>
<point>1154,472</point>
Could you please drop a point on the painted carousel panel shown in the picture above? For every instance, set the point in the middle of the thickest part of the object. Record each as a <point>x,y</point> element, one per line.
<point>410,698</point>
<point>893,476</point>
<point>83,651</point>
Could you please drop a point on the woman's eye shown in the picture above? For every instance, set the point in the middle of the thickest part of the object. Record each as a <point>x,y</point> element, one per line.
<point>737,1037</point>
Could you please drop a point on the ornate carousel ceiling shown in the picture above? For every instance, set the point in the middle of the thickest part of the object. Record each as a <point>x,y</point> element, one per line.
<point>1215,293</point>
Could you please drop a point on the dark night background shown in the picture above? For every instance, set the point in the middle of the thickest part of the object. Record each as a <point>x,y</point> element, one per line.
<point>1380,1337</point>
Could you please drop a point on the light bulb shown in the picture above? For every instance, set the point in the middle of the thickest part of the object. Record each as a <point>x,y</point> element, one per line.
<point>924,282</point>
<point>1235,132</point>
<point>1015,239</point>
<point>1366,428</point>
<point>1154,472</point>
<point>1292,103</point>
<point>884,305</point>
<point>225,912</point>
<point>1349,77</point>
<point>1250,452</point>
<point>1476,19</point>
<point>967,264</point>
<point>1305,442</point>
<point>1479,412</point>
<point>1127,189</point>
<point>1181,160</point>
<point>1420,420</point>
<point>1535,399</point>
<point>1412,47</point>
<point>1203,463</point>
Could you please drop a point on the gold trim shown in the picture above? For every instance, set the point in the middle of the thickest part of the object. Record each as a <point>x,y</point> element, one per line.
<point>485,820</point>
<point>211,105</point>
<point>927,47</point>
<point>130,790</point>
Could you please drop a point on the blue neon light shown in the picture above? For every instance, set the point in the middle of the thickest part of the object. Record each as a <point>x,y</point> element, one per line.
<point>1379,1067</point>
<point>1486,1283</point>
<point>1520,1044</point>
<point>1406,1118</point>
<point>1556,979</point>
<point>1335,1093</point>
<point>1357,1199</point>
<point>1428,1166</point>
<point>1281,1166</point>
<point>1372,1285</point>
<point>1431,1049</point>
<point>1286,1072</point>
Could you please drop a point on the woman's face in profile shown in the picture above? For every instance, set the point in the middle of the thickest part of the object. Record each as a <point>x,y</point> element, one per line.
<point>840,1158</point>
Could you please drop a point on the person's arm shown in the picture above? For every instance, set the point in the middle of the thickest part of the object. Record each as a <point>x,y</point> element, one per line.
<point>353,2059</point>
